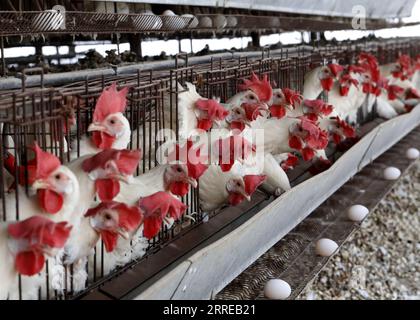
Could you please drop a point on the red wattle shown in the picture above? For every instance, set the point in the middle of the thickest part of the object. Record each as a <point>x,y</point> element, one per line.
<point>278,111</point>
<point>238,125</point>
<point>29,263</point>
<point>327,84</point>
<point>179,188</point>
<point>295,143</point>
<point>110,240</point>
<point>344,91</point>
<point>50,201</point>
<point>102,140</point>
<point>336,138</point>
<point>307,154</point>
<point>151,226</point>
<point>107,189</point>
<point>204,124</point>
<point>235,199</point>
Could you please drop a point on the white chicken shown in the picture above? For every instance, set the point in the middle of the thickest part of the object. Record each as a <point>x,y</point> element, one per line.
<point>110,128</point>
<point>56,187</point>
<point>290,134</point>
<point>112,222</point>
<point>24,246</point>
<point>218,188</point>
<point>100,175</point>
<point>196,112</point>
<point>320,79</point>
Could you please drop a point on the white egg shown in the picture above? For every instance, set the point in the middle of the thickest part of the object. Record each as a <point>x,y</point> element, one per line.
<point>392,173</point>
<point>412,153</point>
<point>146,20</point>
<point>277,289</point>
<point>205,22</point>
<point>168,13</point>
<point>357,212</point>
<point>219,21</point>
<point>325,247</point>
<point>171,21</point>
<point>193,21</point>
<point>49,20</point>
<point>231,21</point>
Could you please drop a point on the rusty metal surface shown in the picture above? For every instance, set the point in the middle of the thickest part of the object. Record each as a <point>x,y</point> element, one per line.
<point>293,258</point>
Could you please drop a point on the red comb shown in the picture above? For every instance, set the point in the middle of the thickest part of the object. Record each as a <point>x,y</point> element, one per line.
<point>39,232</point>
<point>129,219</point>
<point>394,92</point>
<point>335,68</point>
<point>253,110</point>
<point>191,156</point>
<point>126,160</point>
<point>292,97</point>
<point>319,106</point>
<point>262,88</point>
<point>214,109</point>
<point>155,208</point>
<point>357,69</point>
<point>42,165</point>
<point>252,182</point>
<point>110,101</point>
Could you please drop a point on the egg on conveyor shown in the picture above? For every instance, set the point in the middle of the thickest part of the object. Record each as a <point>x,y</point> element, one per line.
<point>392,173</point>
<point>412,153</point>
<point>171,21</point>
<point>219,21</point>
<point>49,20</point>
<point>325,247</point>
<point>205,22</point>
<point>147,20</point>
<point>231,21</point>
<point>277,289</point>
<point>190,20</point>
<point>357,212</point>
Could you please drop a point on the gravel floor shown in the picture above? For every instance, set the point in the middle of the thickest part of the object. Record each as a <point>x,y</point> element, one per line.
<point>381,260</point>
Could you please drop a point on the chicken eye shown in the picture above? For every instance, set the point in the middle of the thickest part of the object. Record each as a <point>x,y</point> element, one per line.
<point>57,176</point>
<point>179,169</point>
<point>238,184</point>
<point>112,121</point>
<point>251,97</point>
<point>107,216</point>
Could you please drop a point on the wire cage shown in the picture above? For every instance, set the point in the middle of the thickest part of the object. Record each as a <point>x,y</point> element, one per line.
<point>58,118</point>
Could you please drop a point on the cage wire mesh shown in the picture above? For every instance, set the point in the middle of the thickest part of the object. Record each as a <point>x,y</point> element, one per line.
<point>58,118</point>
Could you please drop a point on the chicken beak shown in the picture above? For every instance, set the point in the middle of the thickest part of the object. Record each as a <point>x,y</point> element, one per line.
<point>264,106</point>
<point>123,233</point>
<point>96,126</point>
<point>192,182</point>
<point>246,196</point>
<point>289,107</point>
<point>40,184</point>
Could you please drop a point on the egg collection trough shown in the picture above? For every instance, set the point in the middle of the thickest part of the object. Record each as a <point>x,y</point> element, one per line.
<point>195,258</point>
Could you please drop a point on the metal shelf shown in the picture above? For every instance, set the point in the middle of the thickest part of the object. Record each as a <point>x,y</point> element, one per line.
<point>13,23</point>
